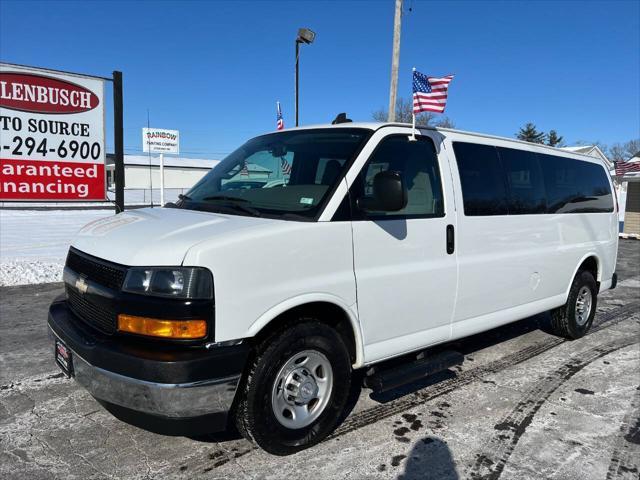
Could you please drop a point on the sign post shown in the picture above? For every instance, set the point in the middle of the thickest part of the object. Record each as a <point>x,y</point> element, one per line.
<point>158,140</point>
<point>118,140</point>
<point>52,135</point>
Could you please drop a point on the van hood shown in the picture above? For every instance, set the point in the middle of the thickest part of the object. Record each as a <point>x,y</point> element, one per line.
<point>157,236</point>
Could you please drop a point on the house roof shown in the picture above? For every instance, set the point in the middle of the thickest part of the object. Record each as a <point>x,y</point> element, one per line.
<point>592,151</point>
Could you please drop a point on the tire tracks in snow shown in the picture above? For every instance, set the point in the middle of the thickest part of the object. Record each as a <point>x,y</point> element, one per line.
<point>624,463</point>
<point>379,412</point>
<point>491,461</point>
<point>374,414</point>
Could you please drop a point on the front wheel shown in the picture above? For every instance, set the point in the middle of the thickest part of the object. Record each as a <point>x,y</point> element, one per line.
<point>573,320</point>
<point>296,388</point>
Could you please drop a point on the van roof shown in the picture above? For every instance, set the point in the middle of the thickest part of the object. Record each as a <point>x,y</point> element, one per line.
<point>378,125</point>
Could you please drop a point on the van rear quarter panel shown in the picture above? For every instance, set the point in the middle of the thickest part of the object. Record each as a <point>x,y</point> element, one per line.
<point>525,263</point>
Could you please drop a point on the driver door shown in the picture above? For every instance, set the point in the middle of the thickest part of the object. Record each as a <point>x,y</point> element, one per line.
<point>406,277</point>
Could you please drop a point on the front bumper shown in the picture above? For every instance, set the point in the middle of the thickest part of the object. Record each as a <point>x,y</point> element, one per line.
<point>163,381</point>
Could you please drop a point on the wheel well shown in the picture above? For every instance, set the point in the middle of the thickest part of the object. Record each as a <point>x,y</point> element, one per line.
<point>324,312</point>
<point>590,264</point>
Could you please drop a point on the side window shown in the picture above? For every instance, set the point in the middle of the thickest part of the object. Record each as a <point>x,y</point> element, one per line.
<point>575,186</point>
<point>482,179</point>
<point>524,179</point>
<point>417,162</point>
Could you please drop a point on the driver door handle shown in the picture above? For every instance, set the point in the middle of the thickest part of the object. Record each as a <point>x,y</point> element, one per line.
<point>450,239</point>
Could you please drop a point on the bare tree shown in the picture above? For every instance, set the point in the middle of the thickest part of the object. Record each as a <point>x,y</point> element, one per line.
<point>621,152</point>
<point>404,112</point>
<point>445,122</point>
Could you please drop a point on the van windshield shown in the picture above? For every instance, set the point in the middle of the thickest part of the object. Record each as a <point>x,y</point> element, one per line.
<point>285,175</point>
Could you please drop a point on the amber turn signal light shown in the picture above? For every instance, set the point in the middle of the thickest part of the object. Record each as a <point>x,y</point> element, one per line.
<point>155,327</point>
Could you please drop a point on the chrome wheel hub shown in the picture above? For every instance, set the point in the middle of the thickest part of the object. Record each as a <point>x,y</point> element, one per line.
<point>302,389</point>
<point>584,303</point>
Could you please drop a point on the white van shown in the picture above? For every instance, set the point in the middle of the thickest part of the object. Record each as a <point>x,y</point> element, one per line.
<point>254,306</point>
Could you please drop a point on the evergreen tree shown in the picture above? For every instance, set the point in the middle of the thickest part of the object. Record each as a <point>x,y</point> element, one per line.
<point>553,140</point>
<point>529,133</point>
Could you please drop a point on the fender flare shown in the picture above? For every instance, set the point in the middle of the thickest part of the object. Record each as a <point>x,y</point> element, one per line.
<point>300,300</point>
<point>575,271</point>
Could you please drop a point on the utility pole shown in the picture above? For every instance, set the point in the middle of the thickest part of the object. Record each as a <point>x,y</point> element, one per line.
<point>395,61</point>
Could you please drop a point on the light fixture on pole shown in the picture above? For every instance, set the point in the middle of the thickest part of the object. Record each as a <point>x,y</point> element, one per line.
<point>304,36</point>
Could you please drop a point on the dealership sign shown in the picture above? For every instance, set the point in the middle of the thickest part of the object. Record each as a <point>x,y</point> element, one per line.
<point>52,144</point>
<point>158,140</point>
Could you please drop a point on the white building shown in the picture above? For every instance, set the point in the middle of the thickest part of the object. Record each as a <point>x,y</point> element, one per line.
<point>142,172</point>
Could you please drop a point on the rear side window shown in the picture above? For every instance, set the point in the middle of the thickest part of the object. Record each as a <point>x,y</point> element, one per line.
<point>483,187</point>
<point>574,186</point>
<point>508,181</point>
<point>525,182</point>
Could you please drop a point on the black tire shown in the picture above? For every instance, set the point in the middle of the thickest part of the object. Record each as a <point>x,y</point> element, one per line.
<point>564,319</point>
<point>254,416</point>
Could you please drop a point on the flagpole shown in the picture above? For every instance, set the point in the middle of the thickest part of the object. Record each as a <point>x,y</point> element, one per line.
<point>413,112</point>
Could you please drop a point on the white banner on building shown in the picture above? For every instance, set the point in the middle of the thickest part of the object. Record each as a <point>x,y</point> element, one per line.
<point>158,140</point>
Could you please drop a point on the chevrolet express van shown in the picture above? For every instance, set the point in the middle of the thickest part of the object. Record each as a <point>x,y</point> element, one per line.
<point>254,306</point>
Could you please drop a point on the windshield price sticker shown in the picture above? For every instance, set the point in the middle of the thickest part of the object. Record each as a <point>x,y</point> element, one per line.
<point>52,144</point>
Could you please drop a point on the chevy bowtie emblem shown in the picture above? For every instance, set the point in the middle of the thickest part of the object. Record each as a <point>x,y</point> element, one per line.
<point>81,285</point>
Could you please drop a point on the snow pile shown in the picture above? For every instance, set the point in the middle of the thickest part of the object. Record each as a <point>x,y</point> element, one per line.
<point>34,244</point>
<point>35,271</point>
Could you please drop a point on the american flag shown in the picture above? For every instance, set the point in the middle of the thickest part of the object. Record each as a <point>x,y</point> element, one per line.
<point>285,166</point>
<point>622,168</point>
<point>429,93</point>
<point>279,120</point>
<point>245,170</point>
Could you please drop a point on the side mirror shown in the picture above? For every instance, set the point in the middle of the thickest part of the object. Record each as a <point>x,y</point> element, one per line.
<point>389,194</point>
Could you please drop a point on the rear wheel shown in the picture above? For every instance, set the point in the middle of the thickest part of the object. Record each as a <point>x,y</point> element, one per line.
<point>296,388</point>
<point>573,320</point>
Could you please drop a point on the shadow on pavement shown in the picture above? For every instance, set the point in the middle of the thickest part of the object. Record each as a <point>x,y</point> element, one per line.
<point>430,458</point>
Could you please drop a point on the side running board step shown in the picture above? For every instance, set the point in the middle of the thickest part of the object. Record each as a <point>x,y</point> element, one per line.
<point>390,378</point>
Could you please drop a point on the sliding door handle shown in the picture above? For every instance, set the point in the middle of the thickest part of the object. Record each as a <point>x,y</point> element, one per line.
<point>451,241</point>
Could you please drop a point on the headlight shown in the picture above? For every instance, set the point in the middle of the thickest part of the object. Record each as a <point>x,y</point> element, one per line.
<point>177,282</point>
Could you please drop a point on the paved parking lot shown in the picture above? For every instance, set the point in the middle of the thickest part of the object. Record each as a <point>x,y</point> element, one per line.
<point>525,404</point>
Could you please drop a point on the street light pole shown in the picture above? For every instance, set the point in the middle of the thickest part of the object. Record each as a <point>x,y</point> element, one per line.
<point>297,76</point>
<point>304,36</point>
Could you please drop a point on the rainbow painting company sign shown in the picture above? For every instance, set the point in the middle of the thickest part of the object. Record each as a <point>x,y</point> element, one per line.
<point>52,145</point>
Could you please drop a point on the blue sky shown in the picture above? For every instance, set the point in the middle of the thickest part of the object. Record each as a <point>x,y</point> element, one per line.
<point>214,70</point>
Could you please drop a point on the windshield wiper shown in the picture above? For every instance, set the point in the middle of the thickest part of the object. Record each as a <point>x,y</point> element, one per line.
<point>225,197</point>
<point>235,202</point>
<point>184,197</point>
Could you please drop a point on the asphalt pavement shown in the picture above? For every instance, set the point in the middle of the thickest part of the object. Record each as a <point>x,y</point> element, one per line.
<point>525,404</point>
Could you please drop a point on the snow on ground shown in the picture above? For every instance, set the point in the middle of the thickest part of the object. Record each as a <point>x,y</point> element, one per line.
<point>34,244</point>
